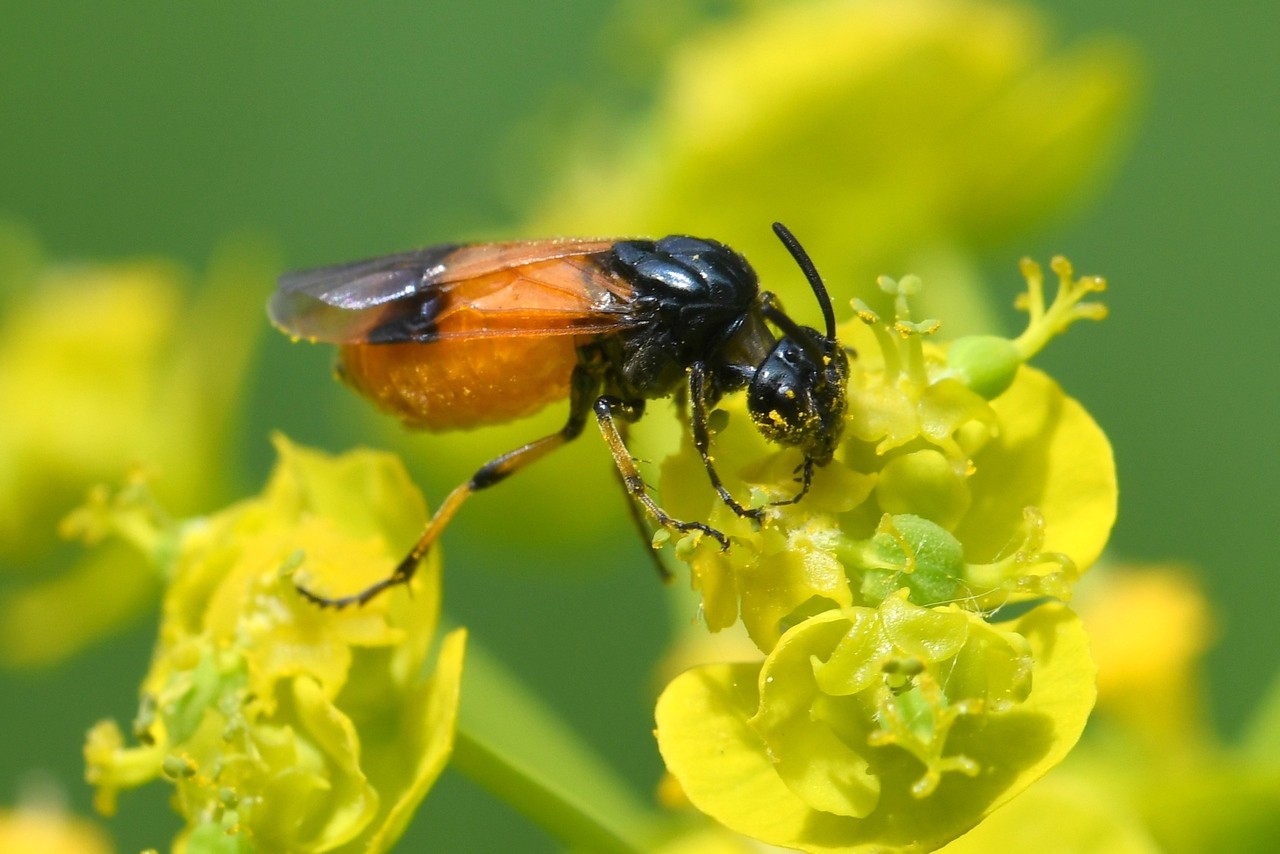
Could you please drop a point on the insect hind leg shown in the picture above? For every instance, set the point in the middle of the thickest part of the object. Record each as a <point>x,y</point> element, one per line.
<point>582,388</point>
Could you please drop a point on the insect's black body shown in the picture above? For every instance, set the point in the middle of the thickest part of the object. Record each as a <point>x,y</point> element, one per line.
<point>697,307</point>
<point>434,336</point>
<point>692,297</point>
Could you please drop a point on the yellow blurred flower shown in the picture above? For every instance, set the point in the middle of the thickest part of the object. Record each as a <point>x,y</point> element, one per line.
<point>884,133</point>
<point>1061,814</point>
<point>104,367</point>
<point>47,831</point>
<point>292,727</point>
<point>1150,751</point>
<point>1149,631</point>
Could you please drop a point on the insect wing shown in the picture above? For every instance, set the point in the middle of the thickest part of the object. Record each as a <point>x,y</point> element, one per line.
<point>396,297</point>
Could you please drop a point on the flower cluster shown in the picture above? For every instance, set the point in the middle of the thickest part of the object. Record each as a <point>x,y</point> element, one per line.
<point>892,709</point>
<point>282,726</point>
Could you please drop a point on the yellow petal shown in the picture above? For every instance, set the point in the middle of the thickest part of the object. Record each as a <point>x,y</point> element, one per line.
<point>1051,455</point>
<point>729,759</point>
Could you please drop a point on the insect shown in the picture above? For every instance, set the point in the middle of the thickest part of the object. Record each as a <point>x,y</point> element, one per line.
<point>458,336</point>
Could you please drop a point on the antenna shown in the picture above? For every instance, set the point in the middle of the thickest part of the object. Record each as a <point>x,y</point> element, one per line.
<point>806,339</point>
<point>811,273</point>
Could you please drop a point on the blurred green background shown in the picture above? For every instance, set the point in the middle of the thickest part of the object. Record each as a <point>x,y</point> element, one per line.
<point>333,132</point>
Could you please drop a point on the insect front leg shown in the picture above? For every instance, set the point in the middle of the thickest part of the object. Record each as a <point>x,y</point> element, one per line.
<point>702,441</point>
<point>609,410</point>
<point>583,386</point>
<point>805,470</point>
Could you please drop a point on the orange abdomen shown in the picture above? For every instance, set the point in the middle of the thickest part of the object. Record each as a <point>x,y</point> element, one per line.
<point>458,383</point>
<point>506,348</point>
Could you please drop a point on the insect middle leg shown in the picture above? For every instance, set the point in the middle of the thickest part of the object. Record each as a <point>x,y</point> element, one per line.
<point>702,441</point>
<point>583,386</point>
<point>637,516</point>
<point>609,410</point>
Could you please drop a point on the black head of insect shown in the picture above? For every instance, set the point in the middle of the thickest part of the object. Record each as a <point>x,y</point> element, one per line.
<point>798,394</point>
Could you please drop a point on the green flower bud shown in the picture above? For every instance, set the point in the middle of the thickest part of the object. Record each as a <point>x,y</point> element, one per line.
<point>986,363</point>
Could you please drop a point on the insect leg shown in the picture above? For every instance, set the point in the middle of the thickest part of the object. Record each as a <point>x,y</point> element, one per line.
<point>638,518</point>
<point>702,441</point>
<point>806,479</point>
<point>583,386</point>
<point>608,410</point>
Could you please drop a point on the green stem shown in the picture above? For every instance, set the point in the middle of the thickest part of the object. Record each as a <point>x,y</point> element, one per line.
<point>517,749</point>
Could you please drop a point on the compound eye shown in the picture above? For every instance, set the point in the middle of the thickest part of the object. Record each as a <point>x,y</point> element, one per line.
<point>779,394</point>
<point>794,401</point>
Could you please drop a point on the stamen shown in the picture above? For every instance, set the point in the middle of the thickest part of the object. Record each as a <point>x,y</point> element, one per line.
<point>888,347</point>
<point>1067,307</point>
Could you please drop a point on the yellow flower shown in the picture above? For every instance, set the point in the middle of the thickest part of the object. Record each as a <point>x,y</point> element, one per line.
<point>889,713</point>
<point>1061,814</point>
<point>279,723</point>
<point>46,831</point>
<point>881,132</point>
<point>935,488</point>
<point>1148,776</point>
<point>1150,627</point>
<point>807,750</point>
<point>104,367</point>
<point>1150,751</point>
